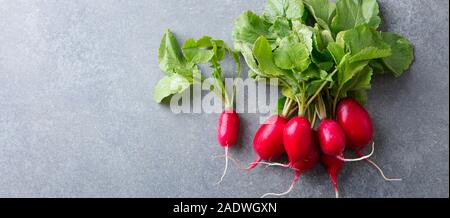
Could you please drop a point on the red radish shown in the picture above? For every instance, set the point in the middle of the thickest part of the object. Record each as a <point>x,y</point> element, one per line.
<point>312,158</point>
<point>331,138</point>
<point>227,133</point>
<point>297,139</point>
<point>333,166</point>
<point>357,125</point>
<point>304,165</point>
<point>228,128</point>
<point>268,141</point>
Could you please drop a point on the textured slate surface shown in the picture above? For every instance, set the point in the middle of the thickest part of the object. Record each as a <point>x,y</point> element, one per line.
<point>77,117</point>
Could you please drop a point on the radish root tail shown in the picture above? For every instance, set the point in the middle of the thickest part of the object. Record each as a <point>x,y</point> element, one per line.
<point>274,164</point>
<point>226,166</point>
<point>379,169</point>
<point>294,182</point>
<point>253,164</point>
<point>277,165</point>
<point>334,181</point>
<point>361,158</point>
<point>336,190</point>
<point>230,157</point>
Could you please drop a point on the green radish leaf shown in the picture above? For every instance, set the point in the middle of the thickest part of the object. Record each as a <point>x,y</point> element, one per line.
<point>252,74</point>
<point>319,54</point>
<point>291,54</point>
<point>323,11</point>
<point>304,33</point>
<point>402,53</point>
<point>365,44</point>
<point>359,95</point>
<point>336,51</point>
<point>248,28</point>
<point>323,65</point>
<point>263,54</point>
<point>169,54</point>
<point>377,66</point>
<point>195,54</point>
<point>313,87</point>
<point>219,54</point>
<point>281,28</point>
<point>189,73</point>
<point>325,76</point>
<point>205,42</point>
<point>340,39</point>
<point>322,38</point>
<point>322,58</point>
<point>280,44</point>
<point>313,72</point>
<point>290,9</point>
<point>347,70</point>
<point>352,13</point>
<point>247,53</point>
<point>371,53</point>
<point>362,80</point>
<point>170,85</point>
<point>287,92</point>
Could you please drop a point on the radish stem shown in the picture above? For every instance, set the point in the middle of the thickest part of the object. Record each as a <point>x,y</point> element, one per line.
<point>320,89</point>
<point>314,119</point>
<point>335,102</point>
<point>293,111</point>
<point>287,107</point>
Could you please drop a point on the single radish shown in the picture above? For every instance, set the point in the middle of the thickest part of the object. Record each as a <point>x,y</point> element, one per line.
<point>333,141</point>
<point>356,123</point>
<point>358,128</point>
<point>333,166</point>
<point>304,165</point>
<point>297,139</point>
<point>268,141</point>
<point>313,156</point>
<point>228,128</point>
<point>227,133</point>
<point>331,138</point>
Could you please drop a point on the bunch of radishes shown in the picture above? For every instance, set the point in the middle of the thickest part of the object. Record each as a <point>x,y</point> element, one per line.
<point>323,55</point>
<point>304,146</point>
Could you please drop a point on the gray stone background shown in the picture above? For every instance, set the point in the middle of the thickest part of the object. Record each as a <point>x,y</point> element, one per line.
<point>77,117</point>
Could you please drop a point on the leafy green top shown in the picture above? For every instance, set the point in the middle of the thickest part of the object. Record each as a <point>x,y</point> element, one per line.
<point>319,51</point>
<point>316,46</point>
<point>181,65</point>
